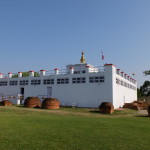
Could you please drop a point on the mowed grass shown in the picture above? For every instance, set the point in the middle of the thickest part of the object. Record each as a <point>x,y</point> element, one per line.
<point>72,129</point>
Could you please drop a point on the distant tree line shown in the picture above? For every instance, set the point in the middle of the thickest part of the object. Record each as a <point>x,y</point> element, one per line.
<point>144,90</point>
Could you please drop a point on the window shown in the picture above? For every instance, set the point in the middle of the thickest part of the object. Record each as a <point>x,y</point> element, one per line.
<point>35,82</point>
<point>117,81</point>
<point>63,81</point>
<point>13,82</point>
<point>76,72</point>
<point>79,71</point>
<point>3,83</point>
<point>121,82</point>
<point>79,80</point>
<point>24,82</point>
<point>48,81</point>
<point>125,84</point>
<point>96,79</point>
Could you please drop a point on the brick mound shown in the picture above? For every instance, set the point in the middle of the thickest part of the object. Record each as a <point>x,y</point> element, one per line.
<point>146,104</point>
<point>6,103</point>
<point>148,110</point>
<point>133,106</point>
<point>140,104</point>
<point>106,107</point>
<point>50,103</point>
<point>32,102</point>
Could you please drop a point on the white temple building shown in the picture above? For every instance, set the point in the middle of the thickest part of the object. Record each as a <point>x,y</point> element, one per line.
<point>81,85</point>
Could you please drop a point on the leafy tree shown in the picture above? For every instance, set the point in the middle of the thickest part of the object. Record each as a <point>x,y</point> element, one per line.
<point>145,89</point>
<point>26,74</point>
<point>36,74</point>
<point>146,72</point>
<point>139,93</point>
<point>15,76</point>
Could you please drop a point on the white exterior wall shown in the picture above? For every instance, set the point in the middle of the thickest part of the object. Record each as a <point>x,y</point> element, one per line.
<point>121,93</point>
<point>82,94</point>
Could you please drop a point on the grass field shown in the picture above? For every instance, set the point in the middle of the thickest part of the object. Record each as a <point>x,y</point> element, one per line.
<point>72,129</point>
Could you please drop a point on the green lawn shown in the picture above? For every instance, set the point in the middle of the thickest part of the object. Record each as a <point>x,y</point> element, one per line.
<point>72,129</point>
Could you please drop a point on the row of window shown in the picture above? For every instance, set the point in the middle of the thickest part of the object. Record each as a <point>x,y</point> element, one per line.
<point>51,81</point>
<point>3,83</point>
<point>118,81</point>
<point>78,80</point>
<point>96,79</point>
<point>63,81</point>
<point>48,81</point>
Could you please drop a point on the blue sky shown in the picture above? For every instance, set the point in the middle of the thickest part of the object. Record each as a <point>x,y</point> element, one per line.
<point>45,34</point>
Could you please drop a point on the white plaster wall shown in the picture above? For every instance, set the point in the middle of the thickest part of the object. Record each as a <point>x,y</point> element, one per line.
<point>122,94</point>
<point>83,94</point>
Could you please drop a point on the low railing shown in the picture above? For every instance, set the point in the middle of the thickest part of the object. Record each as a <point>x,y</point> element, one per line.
<point>64,71</point>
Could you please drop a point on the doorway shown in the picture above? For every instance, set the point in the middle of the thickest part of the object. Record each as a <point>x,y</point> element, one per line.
<point>49,91</point>
<point>22,91</point>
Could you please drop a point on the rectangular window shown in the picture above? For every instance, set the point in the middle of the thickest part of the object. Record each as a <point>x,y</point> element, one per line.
<point>13,82</point>
<point>35,82</point>
<point>96,79</point>
<point>117,81</point>
<point>63,81</point>
<point>79,80</point>
<point>24,82</point>
<point>79,71</point>
<point>121,82</point>
<point>3,83</point>
<point>48,81</point>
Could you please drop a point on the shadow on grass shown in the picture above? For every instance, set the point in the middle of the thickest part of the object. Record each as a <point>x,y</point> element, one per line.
<point>22,106</point>
<point>142,116</point>
<point>94,111</point>
<point>19,105</point>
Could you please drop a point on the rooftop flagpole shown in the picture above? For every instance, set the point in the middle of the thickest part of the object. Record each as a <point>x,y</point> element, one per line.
<point>102,57</point>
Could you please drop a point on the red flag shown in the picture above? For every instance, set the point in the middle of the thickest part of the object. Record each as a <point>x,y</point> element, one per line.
<point>102,55</point>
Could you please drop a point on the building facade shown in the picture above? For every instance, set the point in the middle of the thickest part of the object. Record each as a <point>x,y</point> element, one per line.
<point>81,85</point>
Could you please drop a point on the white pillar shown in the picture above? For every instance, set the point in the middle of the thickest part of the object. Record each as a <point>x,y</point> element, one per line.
<point>125,76</point>
<point>71,70</point>
<point>9,75</point>
<point>122,73</point>
<point>19,74</point>
<point>42,73</point>
<point>56,71</point>
<point>31,73</point>
<point>1,75</point>
<point>87,69</point>
<point>118,71</point>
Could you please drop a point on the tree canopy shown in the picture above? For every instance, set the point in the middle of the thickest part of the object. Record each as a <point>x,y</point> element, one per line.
<point>145,89</point>
<point>26,74</point>
<point>146,72</point>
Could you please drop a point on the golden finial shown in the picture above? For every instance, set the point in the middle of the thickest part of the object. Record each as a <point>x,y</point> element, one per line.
<point>82,60</point>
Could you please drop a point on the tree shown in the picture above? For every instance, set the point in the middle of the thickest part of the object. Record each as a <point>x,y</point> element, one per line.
<point>146,72</point>
<point>26,74</point>
<point>145,89</point>
<point>139,94</point>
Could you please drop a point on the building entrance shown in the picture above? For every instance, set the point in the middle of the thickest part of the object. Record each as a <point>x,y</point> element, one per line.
<point>49,91</point>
